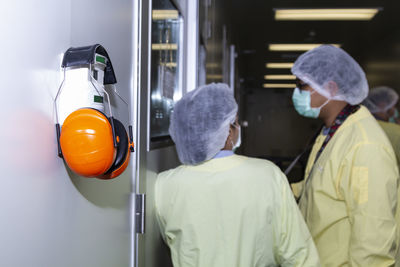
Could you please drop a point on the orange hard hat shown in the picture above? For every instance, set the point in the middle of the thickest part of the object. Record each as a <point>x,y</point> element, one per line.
<point>87,142</point>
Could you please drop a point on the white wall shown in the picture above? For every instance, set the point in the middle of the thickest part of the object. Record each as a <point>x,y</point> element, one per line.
<point>50,217</point>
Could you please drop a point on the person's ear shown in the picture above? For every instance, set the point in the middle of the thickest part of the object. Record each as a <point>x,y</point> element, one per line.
<point>333,88</point>
<point>229,138</point>
<point>230,133</point>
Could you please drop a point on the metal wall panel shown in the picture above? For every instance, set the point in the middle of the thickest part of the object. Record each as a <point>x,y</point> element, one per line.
<point>151,250</point>
<point>51,217</point>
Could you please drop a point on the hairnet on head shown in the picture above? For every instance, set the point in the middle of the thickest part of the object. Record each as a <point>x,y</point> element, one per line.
<point>381,99</point>
<point>200,122</point>
<point>326,63</point>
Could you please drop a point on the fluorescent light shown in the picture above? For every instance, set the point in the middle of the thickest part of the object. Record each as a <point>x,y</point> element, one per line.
<point>165,14</point>
<point>294,47</point>
<point>170,64</point>
<point>326,14</point>
<point>164,46</point>
<point>279,85</point>
<point>279,77</point>
<point>213,65</point>
<point>279,65</point>
<point>214,76</point>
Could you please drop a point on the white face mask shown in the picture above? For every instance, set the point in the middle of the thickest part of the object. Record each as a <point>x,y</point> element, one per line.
<point>238,141</point>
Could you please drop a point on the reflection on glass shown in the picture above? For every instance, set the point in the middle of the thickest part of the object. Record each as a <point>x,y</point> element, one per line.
<point>165,66</point>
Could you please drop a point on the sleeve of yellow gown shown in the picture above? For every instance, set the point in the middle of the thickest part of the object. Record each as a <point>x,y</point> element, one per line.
<point>369,187</point>
<point>295,244</point>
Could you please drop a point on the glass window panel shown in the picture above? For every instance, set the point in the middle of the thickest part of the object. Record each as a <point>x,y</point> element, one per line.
<point>166,79</point>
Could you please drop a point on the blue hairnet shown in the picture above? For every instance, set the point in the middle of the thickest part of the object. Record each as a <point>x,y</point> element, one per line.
<point>381,99</point>
<point>324,64</point>
<point>200,122</point>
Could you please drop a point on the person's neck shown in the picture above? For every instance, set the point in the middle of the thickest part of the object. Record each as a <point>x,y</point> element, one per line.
<point>331,111</point>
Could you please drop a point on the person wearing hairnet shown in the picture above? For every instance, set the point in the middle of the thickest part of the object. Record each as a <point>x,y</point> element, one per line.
<point>220,209</point>
<point>350,193</point>
<point>381,102</point>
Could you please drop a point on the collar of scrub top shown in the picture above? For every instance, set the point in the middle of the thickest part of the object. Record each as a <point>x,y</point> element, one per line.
<point>223,154</point>
<point>329,132</point>
<point>83,55</point>
<point>325,130</point>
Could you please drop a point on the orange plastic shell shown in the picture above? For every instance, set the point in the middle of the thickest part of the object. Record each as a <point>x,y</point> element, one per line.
<point>87,142</point>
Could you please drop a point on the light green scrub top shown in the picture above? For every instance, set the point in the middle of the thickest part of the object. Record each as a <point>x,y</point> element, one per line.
<point>232,211</point>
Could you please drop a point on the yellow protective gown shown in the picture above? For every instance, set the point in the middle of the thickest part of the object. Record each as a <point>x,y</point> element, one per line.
<point>231,211</point>
<point>350,195</point>
<point>392,131</point>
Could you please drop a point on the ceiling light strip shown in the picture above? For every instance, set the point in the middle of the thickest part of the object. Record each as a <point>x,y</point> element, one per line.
<point>326,14</point>
<point>164,46</point>
<point>214,76</point>
<point>213,65</point>
<point>279,77</point>
<point>279,65</point>
<point>279,85</point>
<point>165,14</point>
<point>294,47</point>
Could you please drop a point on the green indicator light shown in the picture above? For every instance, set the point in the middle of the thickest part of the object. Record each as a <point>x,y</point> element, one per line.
<point>101,59</point>
<point>98,99</point>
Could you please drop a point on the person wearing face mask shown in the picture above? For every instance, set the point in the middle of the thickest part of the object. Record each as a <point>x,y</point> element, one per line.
<point>221,209</point>
<point>381,102</point>
<point>349,198</point>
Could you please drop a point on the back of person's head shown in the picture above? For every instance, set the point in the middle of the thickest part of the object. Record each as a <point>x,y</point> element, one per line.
<point>200,122</point>
<point>381,99</point>
<point>325,64</point>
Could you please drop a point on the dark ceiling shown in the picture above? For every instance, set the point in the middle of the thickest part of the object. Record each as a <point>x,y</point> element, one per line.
<point>251,27</point>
